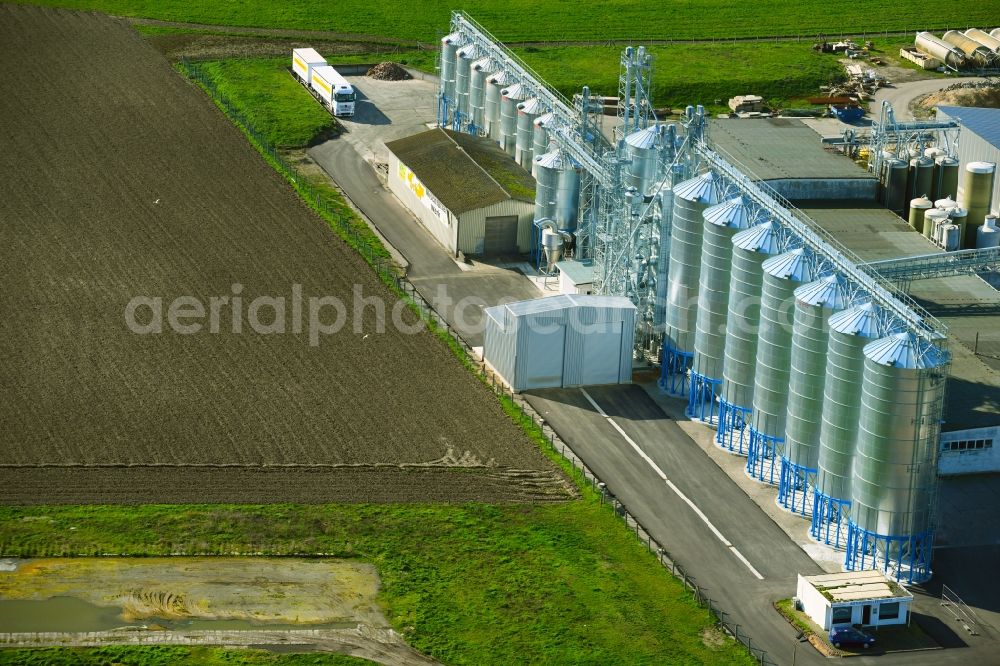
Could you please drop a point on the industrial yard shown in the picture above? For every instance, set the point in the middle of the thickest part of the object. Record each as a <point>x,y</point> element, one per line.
<point>551,375</point>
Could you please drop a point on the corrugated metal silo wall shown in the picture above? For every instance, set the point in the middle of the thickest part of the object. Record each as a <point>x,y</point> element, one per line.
<point>974,148</point>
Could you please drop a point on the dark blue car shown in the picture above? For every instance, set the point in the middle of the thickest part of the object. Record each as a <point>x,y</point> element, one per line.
<point>850,637</point>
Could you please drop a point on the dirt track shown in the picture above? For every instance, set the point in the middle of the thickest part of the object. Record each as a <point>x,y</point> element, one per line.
<point>119,179</point>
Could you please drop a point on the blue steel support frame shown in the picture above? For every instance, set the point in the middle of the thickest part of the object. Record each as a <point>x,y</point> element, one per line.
<point>674,371</point>
<point>702,398</point>
<point>456,121</point>
<point>443,105</point>
<point>733,429</point>
<point>762,451</point>
<point>794,485</point>
<point>908,554</point>
<point>829,514</point>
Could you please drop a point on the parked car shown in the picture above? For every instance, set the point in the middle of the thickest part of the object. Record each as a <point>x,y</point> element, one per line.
<point>850,637</point>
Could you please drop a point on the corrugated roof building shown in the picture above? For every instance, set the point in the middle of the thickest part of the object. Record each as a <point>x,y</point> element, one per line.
<point>979,142</point>
<point>465,190</point>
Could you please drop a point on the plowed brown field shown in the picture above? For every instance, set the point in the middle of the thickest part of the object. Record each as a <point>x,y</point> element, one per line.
<point>118,179</point>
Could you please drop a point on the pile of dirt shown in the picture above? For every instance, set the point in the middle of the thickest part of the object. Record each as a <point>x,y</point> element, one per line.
<point>980,93</point>
<point>388,71</point>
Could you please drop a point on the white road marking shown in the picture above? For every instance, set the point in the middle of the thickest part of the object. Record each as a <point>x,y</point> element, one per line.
<point>670,484</point>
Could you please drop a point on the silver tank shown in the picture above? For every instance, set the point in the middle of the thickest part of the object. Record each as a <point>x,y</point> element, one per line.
<point>540,138</point>
<point>449,48</point>
<point>815,303</point>
<point>464,58</point>
<point>895,466</point>
<point>557,189</point>
<point>751,248</point>
<point>850,331</point>
<point>478,72</point>
<point>494,84</point>
<point>510,97</point>
<point>722,222</point>
<point>691,198</point>
<point>782,274</point>
<point>642,172</point>
<point>527,112</point>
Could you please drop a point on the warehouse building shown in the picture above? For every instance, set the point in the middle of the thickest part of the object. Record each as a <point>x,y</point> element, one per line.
<point>865,598</point>
<point>471,196</point>
<point>568,340</point>
<point>980,141</point>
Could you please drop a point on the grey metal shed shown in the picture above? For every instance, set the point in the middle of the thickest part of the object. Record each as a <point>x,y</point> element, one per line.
<point>567,340</point>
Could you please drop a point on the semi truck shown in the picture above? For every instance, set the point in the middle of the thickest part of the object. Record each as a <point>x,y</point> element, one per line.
<point>323,81</point>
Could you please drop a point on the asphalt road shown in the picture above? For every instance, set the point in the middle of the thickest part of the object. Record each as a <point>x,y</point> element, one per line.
<point>903,94</point>
<point>677,514</point>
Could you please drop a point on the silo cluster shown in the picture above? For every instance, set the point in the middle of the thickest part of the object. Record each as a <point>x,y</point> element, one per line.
<point>917,176</point>
<point>957,225</point>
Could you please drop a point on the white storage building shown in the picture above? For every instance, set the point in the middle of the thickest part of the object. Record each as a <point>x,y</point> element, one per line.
<point>866,598</point>
<point>980,142</point>
<point>465,190</point>
<point>567,340</point>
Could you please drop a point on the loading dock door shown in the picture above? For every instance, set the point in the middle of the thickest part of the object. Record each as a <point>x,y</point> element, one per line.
<point>501,235</point>
<point>544,367</point>
<point>602,353</point>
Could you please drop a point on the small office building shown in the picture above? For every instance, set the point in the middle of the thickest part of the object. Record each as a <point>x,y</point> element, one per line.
<point>866,598</point>
<point>469,194</point>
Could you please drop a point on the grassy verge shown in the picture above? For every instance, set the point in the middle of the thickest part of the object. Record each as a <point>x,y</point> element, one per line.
<point>529,20</point>
<point>471,584</point>
<point>134,655</point>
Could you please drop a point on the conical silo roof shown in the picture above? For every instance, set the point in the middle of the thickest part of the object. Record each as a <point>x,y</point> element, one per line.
<point>469,51</point>
<point>452,38</point>
<point>828,292</point>
<point>734,214</point>
<point>904,350</point>
<point>759,238</point>
<point>533,106</point>
<point>486,64</point>
<point>862,320</point>
<point>704,189</point>
<point>544,120</point>
<point>555,160</point>
<point>792,265</point>
<point>501,78</point>
<point>516,92</point>
<point>645,138</point>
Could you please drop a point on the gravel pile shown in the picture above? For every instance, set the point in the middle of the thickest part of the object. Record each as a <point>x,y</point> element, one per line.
<point>388,71</point>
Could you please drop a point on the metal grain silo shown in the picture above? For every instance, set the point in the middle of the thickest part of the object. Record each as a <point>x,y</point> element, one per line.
<point>464,58</point>
<point>918,207</point>
<point>932,218</point>
<point>782,274</point>
<point>479,71</point>
<point>722,222</point>
<point>849,332</point>
<point>691,198</point>
<point>921,178</point>
<point>972,49</point>
<point>814,304</point>
<point>494,84</point>
<point>510,97</point>
<point>557,189</point>
<point>984,38</point>
<point>945,177</point>
<point>643,170</point>
<point>750,249</point>
<point>527,112</point>
<point>941,50</point>
<point>977,193</point>
<point>540,137</point>
<point>895,464</point>
<point>449,49</point>
<point>896,176</point>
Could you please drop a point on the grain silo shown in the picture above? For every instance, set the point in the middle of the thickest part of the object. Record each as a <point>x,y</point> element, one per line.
<point>945,177</point>
<point>722,222</point>
<point>850,331</point>
<point>540,137</point>
<point>814,304</point>
<point>479,72</point>
<point>557,189</point>
<point>464,57</point>
<point>510,97</point>
<point>643,167</point>
<point>751,248</point>
<point>921,177</point>
<point>782,274</point>
<point>527,112</point>
<point>895,463</point>
<point>494,84</point>
<point>449,49</point>
<point>691,198</point>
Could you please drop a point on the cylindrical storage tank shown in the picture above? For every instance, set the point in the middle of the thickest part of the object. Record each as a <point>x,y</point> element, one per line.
<point>782,274</point>
<point>494,84</point>
<point>815,303</point>
<point>510,97</point>
<point>849,332</point>
<point>984,38</point>
<point>921,176</point>
<point>751,248</point>
<point>995,33</point>
<point>895,186</point>
<point>895,464</point>
<point>691,198</point>
<point>972,49</point>
<point>945,177</point>
<point>478,73</point>
<point>642,172</point>
<point>932,219</point>
<point>547,169</point>
<point>568,195</point>
<point>527,112</point>
<point>464,58</point>
<point>988,235</point>
<point>540,137</point>
<point>449,49</point>
<point>941,50</point>
<point>946,204</point>
<point>966,232</point>
<point>918,207</point>
<point>934,152</point>
<point>950,237</point>
<point>977,189</point>
<point>722,223</point>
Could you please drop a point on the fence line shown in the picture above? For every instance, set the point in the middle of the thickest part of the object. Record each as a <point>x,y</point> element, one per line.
<point>394,277</point>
